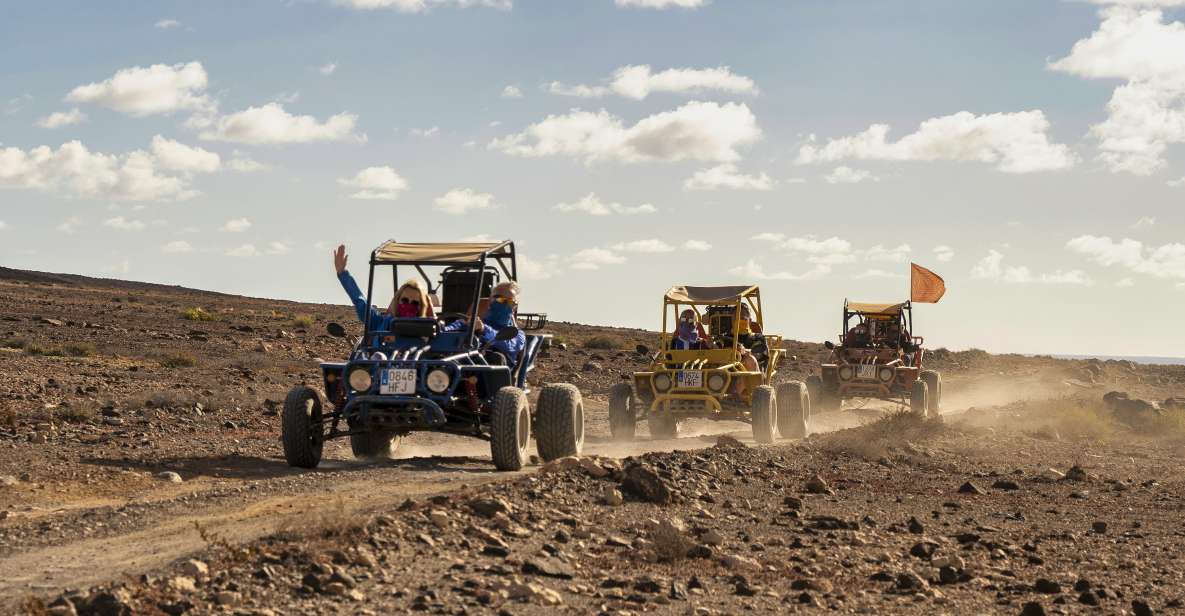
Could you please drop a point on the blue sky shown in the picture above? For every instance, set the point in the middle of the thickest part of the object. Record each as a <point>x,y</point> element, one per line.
<point>223,145</point>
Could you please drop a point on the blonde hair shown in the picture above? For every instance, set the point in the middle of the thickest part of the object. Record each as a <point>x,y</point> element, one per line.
<point>413,290</point>
<point>510,285</point>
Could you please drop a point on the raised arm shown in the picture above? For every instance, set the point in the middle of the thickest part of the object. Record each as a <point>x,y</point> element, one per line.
<point>355,294</point>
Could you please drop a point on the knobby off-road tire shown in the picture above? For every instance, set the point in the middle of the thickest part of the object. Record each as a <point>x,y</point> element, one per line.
<point>374,445</point>
<point>623,423</point>
<point>822,400</point>
<point>764,413</point>
<point>919,398</point>
<point>510,429</point>
<point>559,422</point>
<point>663,427</point>
<point>794,410</point>
<point>300,429</point>
<point>934,396</point>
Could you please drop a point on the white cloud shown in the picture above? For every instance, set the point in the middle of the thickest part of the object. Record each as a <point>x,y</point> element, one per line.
<point>3,225</point>
<point>177,247</point>
<point>1125,283</point>
<point>461,200</point>
<point>271,124</point>
<point>15,104</point>
<point>420,6</point>
<point>425,132</point>
<point>59,119</point>
<point>327,69</point>
<point>1144,221</point>
<point>847,175</point>
<point>727,176</point>
<point>242,163</point>
<point>663,4</point>
<point>898,254</point>
<point>378,183</point>
<point>1147,113</point>
<point>236,225</point>
<point>752,270</point>
<point>75,170</point>
<point>531,269</point>
<point>992,267</point>
<point>697,245</point>
<point>829,251</point>
<point>166,24</point>
<point>1014,142</point>
<point>1165,261</point>
<point>142,91</point>
<point>123,224</point>
<point>768,236</point>
<point>278,248</point>
<point>639,81</point>
<point>246,250</point>
<point>1176,183</point>
<point>944,253</point>
<point>592,204</point>
<point>176,156</point>
<point>594,258</point>
<point>877,273</point>
<point>512,92</point>
<point>694,131</point>
<point>70,225</point>
<point>653,245</point>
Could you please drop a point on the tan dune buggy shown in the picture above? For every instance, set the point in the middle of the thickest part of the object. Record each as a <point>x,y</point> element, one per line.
<point>877,357</point>
<point>712,381</point>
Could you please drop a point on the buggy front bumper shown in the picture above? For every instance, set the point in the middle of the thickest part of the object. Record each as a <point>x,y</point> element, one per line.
<point>389,412</point>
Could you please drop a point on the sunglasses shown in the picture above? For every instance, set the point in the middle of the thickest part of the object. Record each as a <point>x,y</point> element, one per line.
<point>687,319</point>
<point>404,300</point>
<point>502,299</point>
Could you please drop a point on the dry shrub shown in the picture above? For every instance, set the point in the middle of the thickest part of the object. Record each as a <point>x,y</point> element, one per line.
<point>304,320</point>
<point>8,417</point>
<point>15,343</point>
<point>79,349</point>
<point>336,523</point>
<point>670,543</point>
<point>198,314</point>
<point>178,360</point>
<point>875,440</point>
<point>603,342</point>
<point>75,413</point>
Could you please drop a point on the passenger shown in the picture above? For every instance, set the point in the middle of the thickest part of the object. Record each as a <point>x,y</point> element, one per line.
<point>498,315</point>
<point>857,337</point>
<point>689,333</point>
<point>750,330</point>
<point>749,363</point>
<point>410,300</point>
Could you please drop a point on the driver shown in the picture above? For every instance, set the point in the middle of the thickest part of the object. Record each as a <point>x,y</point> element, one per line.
<point>498,314</point>
<point>689,333</point>
<point>410,299</point>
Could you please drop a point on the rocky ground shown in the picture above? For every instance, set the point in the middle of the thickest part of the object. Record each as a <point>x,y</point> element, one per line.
<point>138,433</point>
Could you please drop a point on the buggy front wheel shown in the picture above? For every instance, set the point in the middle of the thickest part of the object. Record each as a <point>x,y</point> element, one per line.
<point>374,445</point>
<point>933,391</point>
<point>919,398</point>
<point>794,409</point>
<point>300,430</point>
<point>764,414</point>
<point>622,421</point>
<point>510,429</point>
<point>559,417</point>
<point>663,426</point>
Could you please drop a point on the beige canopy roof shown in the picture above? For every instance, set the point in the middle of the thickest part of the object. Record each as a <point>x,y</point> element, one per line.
<point>869,308</point>
<point>708,295</point>
<point>459,252</point>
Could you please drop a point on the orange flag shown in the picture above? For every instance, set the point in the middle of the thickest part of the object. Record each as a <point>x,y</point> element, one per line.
<point>926,287</point>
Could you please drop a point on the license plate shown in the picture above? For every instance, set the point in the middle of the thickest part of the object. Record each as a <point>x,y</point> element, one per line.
<point>866,372</point>
<point>690,378</point>
<point>398,381</point>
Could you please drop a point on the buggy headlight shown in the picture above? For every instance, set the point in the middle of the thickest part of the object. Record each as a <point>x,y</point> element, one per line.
<point>886,374</point>
<point>360,379</point>
<point>437,381</point>
<point>716,381</point>
<point>846,372</point>
<point>662,382</point>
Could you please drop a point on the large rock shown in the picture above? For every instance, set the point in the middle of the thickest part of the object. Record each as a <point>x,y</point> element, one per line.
<point>644,484</point>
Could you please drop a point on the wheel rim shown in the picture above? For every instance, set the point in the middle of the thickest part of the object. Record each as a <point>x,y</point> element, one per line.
<point>310,411</point>
<point>524,427</point>
<point>579,421</point>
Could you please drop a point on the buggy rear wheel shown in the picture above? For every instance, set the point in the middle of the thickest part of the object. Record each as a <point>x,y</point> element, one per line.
<point>919,398</point>
<point>510,429</point>
<point>764,414</point>
<point>300,429</point>
<point>559,417</point>
<point>374,445</point>
<point>623,423</point>
<point>794,409</point>
<point>663,427</point>
<point>934,396</point>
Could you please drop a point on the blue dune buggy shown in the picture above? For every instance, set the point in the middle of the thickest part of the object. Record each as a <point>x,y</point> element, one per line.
<point>418,377</point>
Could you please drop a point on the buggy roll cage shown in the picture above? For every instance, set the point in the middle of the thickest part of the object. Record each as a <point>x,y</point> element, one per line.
<point>750,295</point>
<point>903,311</point>
<point>449,255</point>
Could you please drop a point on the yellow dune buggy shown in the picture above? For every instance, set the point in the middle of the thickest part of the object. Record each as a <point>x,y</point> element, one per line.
<point>723,372</point>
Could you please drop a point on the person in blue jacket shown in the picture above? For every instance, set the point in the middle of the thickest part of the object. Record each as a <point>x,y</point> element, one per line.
<point>410,300</point>
<point>499,315</point>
